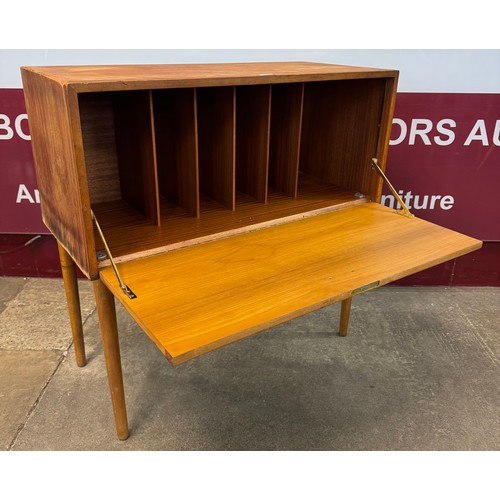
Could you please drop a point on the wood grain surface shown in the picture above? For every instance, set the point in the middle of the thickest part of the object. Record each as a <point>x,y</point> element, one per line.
<point>152,76</point>
<point>99,145</point>
<point>197,299</point>
<point>64,200</point>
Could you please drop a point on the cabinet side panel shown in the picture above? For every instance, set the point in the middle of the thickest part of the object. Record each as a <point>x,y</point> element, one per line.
<point>55,165</point>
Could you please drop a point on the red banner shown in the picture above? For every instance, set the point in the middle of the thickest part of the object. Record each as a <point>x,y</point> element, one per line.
<point>444,159</point>
<point>19,199</point>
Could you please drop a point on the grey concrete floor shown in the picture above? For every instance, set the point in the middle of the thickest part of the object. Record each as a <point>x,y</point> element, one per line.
<point>419,370</point>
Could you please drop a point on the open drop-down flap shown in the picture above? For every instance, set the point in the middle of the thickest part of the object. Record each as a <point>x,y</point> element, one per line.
<point>196,299</point>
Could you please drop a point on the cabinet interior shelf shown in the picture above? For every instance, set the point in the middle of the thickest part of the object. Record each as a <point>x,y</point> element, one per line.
<point>128,233</point>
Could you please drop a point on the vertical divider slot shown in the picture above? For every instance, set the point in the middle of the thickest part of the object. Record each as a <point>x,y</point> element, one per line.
<point>135,150</point>
<point>341,126</point>
<point>176,140</point>
<point>216,114</point>
<point>253,116</point>
<point>286,125</point>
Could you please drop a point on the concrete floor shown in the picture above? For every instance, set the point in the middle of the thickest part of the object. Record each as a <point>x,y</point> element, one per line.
<point>419,370</point>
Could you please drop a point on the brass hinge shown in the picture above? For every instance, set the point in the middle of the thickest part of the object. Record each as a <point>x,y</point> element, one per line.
<point>126,290</point>
<point>404,209</point>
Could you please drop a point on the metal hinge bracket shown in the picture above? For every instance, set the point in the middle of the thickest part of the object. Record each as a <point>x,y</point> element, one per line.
<point>125,289</point>
<point>404,209</point>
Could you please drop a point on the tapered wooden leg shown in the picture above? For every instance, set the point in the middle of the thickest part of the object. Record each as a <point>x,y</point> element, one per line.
<point>109,332</point>
<point>345,312</point>
<point>73,299</point>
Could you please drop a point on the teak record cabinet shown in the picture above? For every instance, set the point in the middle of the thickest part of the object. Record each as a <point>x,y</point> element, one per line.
<point>215,201</point>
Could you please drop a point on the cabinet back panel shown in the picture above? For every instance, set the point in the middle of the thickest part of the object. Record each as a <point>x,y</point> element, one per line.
<point>340,131</point>
<point>99,144</point>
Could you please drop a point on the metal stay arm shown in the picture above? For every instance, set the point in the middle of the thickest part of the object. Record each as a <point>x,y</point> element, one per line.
<point>123,286</point>
<point>404,209</point>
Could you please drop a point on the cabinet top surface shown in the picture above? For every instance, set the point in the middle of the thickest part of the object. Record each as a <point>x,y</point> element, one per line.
<point>115,77</point>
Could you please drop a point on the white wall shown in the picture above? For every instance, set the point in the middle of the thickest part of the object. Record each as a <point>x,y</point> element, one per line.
<point>461,71</point>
